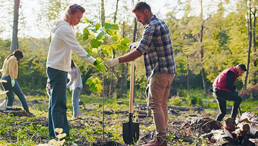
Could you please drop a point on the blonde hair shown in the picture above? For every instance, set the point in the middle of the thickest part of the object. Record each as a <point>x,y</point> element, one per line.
<point>72,9</point>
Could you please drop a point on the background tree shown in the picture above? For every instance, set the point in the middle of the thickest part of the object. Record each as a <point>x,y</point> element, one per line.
<point>14,45</point>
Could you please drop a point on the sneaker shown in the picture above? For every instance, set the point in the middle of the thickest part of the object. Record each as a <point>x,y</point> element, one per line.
<point>74,118</point>
<point>156,142</point>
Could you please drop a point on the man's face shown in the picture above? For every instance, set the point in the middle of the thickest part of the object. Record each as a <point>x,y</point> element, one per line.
<point>240,72</point>
<point>142,17</point>
<point>76,18</point>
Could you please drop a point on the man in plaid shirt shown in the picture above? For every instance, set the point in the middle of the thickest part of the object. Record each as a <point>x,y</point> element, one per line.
<point>157,49</point>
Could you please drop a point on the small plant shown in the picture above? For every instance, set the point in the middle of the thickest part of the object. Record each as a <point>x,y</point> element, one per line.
<point>175,101</point>
<point>60,136</point>
<point>170,137</point>
<point>195,100</point>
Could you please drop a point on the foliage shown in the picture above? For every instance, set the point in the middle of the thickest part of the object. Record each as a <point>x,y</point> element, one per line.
<point>175,101</point>
<point>94,84</point>
<point>195,100</point>
<point>225,44</point>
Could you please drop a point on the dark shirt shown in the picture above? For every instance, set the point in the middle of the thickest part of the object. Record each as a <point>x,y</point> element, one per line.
<point>230,81</point>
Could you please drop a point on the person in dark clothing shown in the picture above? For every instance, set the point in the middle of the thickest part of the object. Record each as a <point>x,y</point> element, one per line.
<point>224,89</point>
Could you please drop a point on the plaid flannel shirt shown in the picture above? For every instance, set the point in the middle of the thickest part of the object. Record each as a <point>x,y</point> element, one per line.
<point>157,48</point>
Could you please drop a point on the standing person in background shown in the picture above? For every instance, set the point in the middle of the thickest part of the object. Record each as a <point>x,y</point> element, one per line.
<point>10,74</point>
<point>224,89</point>
<point>75,84</point>
<point>58,64</point>
<point>156,46</point>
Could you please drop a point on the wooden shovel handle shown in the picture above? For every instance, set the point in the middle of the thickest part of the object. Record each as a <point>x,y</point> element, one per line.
<point>131,88</point>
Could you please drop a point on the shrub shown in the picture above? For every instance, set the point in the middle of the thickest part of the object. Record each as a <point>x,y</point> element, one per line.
<point>195,100</point>
<point>176,100</point>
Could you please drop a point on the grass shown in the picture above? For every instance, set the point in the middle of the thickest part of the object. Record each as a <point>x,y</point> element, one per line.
<point>12,128</point>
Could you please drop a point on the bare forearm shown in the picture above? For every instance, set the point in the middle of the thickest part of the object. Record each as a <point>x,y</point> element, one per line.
<point>130,56</point>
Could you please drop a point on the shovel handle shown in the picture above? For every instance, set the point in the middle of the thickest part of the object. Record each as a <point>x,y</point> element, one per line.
<point>131,88</point>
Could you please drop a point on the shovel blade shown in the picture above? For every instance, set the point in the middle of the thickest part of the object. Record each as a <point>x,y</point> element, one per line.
<point>130,132</point>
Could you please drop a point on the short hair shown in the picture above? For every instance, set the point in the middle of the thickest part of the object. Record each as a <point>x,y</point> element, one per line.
<point>141,6</point>
<point>241,66</point>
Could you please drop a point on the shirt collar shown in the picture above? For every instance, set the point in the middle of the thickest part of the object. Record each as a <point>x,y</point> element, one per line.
<point>149,21</point>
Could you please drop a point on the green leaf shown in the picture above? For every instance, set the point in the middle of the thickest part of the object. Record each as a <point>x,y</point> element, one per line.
<point>89,81</point>
<point>115,37</point>
<point>107,50</point>
<point>114,46</point>
<point>86,34</point>
<point>94,84</point>
<point>100,35</point>
<point>89,54</point>
<point>125,41</point>
<point>108,26</point>
<point>95,43</point>
<point>115,26</point>
<point>86,20</point>
<point>97,26</point>
<point>111,32</point>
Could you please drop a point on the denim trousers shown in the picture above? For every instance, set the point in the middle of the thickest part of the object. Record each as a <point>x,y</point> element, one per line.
<point>57,117</point>
<point>159,89</point>
<point>15,89</point>
<point>222,97</point>
<point>76,99</point>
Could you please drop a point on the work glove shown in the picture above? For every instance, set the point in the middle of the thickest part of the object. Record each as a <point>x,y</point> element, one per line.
<point>12,82</point>
<point>111,62</point>
<point>100,66</point>
<point>133,45</point>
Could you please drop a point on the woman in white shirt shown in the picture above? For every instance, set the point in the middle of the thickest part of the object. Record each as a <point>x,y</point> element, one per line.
<point>62,45</point>
<point>75,84</point>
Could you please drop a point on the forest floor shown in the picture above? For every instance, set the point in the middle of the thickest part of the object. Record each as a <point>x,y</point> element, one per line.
<point>184,127</point>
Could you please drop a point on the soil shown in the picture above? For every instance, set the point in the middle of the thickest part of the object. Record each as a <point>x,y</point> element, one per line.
<point>184,128</point>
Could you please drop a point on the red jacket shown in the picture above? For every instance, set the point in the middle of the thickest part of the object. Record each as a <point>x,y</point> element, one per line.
<point>221,81</point>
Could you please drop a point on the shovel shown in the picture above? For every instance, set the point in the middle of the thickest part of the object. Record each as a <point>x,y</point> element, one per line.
<point>131,129</point>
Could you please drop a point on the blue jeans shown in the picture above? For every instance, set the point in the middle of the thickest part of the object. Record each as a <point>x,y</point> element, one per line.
<point>76,99</point>
<point>15,89</point>
<point>57,117</point>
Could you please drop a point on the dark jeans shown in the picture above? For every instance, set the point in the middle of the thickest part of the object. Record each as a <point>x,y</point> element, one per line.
<point>222,97</point>
<point>15,89</point>
<point>57,117</point>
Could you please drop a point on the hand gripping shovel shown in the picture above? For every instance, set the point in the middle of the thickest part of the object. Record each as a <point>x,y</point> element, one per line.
<point>131,129</point>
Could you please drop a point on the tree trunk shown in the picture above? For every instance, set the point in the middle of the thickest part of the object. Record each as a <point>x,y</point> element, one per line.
<point>115,14</point>
<point>102,13</point>
<point>254,48</point>
<point>249,44</point>
<point>14,45</point>
<point>126,68</point>
<point>202,52</point>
